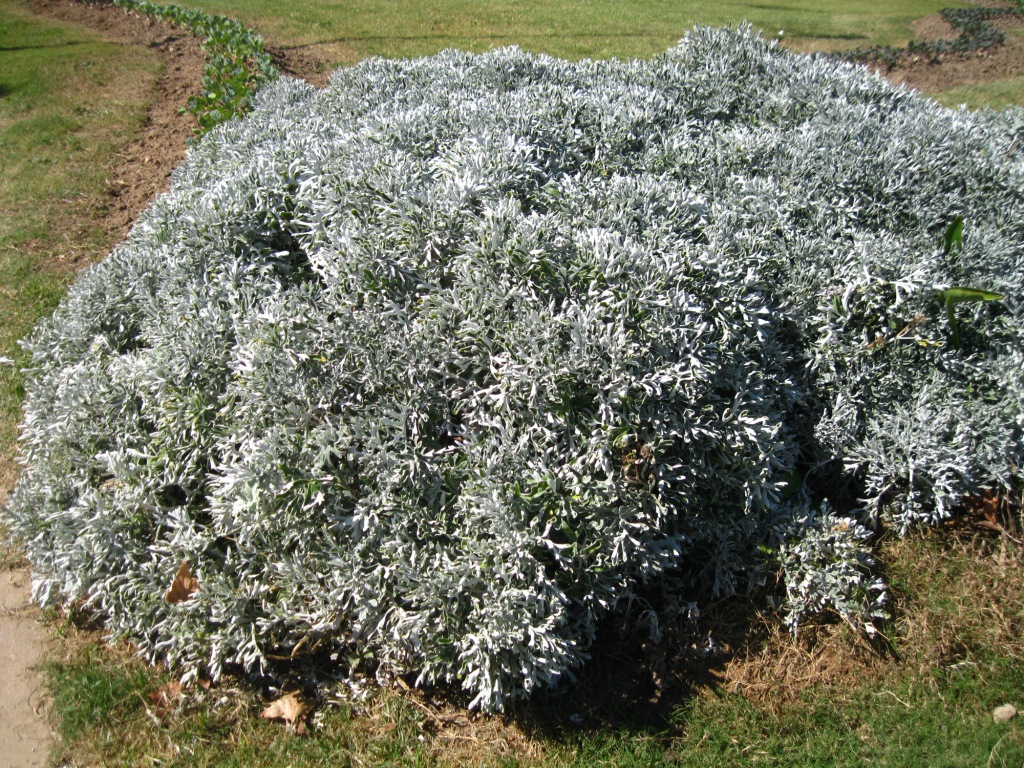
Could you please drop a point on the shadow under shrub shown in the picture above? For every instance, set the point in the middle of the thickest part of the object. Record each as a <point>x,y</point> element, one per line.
<point>437,369</point>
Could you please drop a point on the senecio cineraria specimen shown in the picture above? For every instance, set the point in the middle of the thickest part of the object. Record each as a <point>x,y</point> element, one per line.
<point>447,363</point>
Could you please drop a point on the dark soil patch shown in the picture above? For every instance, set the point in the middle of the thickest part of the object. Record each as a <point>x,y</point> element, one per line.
<point>141,170</point>
<point>932,27</point>
<point>945,72</point>
<point>303,63</point>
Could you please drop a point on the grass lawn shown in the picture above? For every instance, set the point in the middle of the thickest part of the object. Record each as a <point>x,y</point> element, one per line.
<point>69,101</point>
<point>567,28</point>
<point>996,95</point>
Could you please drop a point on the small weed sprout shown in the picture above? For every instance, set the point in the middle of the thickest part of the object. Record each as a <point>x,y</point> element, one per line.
<point>442,366</point>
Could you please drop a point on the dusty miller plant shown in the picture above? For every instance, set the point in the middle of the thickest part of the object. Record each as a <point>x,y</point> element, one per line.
<point>444,365</point>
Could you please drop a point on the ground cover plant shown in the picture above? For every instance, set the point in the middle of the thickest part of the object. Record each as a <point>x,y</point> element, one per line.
<point>237,64</point>
<point>443,381</point>
<point>974,33</point>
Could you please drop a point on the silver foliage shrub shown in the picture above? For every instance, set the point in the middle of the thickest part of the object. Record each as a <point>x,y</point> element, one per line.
<point>443,364</point>
<point>825,566</point>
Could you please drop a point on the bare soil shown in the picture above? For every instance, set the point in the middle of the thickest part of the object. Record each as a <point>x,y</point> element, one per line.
<point>930,76</point>
<point>24,736</point>
<point>142,168</point>
<point>141,171</point>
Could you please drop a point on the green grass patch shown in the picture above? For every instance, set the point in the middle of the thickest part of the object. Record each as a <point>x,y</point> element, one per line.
<point>68,101</point>
<point>995,95</point>
<point>109,713</point>
<point>908,720</point>
<point>568,28</point>
<point>93,693</point>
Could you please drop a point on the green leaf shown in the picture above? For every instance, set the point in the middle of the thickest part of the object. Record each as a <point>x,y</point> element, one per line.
<point>954,237</point>
<point>961,295</point>
<point>953,296</point>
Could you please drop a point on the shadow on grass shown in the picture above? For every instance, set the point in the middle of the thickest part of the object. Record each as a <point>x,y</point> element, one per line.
<point>634,684</point>
<point>629,684</point>
<point>68,44</point>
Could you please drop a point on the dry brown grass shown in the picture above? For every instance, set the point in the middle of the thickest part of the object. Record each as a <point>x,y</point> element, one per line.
<point>957,594</point>
<point>774,667</point>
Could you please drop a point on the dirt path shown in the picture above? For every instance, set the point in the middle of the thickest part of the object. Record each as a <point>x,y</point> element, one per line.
<point>140,174</point>
<point>24,736</point>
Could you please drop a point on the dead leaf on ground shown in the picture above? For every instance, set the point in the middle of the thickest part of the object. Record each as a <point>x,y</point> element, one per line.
<point>991,501</point>
<point>291,708</point>
<point>183,586</point>
<point>164,697</point>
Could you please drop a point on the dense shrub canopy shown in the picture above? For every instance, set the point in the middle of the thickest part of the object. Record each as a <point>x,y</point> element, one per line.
<point>445,364</point>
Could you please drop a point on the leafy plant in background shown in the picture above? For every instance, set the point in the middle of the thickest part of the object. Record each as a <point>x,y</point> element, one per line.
<point>237,65</point>
<point>974,34</point>
<point>446,365</point>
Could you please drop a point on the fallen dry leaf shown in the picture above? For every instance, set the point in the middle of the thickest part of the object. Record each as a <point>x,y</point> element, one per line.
<point>163,698</point>
<point>183,586</point>
<point>290,707</point>
<point>985,506</point>
<point>991,503</point>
